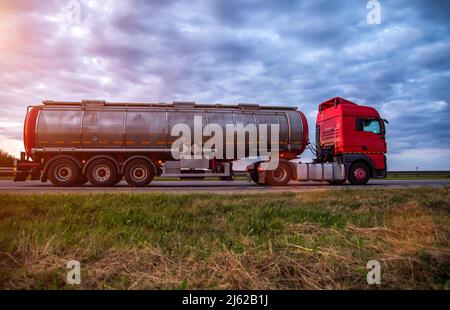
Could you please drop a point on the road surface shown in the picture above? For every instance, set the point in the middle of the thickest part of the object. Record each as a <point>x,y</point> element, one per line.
<point>7,186</point>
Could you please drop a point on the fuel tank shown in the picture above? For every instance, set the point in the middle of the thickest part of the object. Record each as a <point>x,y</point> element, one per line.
<point>98,125</point>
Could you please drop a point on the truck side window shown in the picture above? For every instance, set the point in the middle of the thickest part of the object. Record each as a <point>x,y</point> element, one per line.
<point>368,125</point>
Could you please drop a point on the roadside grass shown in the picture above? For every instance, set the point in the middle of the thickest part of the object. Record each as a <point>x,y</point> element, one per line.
<point>418,177</point>
<point>308,240</point>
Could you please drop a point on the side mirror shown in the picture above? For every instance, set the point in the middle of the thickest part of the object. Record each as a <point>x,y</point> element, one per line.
<point>385,120</point>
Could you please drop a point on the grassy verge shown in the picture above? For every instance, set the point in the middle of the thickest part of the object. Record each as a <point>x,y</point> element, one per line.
<point>418,177</point>
<point>255,241</point>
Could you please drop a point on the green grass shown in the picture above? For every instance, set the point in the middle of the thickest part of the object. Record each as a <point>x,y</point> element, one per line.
<point>417,176</point>
<point>284,240</point>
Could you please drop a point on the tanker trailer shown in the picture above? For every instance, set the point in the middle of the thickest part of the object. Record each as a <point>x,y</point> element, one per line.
<point>72,143</point>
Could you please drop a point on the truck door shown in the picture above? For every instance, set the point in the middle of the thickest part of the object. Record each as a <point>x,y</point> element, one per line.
<point>372,134</point>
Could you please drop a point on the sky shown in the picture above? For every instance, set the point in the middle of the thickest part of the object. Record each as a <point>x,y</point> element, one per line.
<point>290,53</point>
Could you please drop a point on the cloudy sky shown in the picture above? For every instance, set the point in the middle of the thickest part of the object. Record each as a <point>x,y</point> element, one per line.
<point>296,53</point>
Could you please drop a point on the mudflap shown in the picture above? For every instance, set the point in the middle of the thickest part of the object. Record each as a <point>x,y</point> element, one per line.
<point>24,168</point>
<point>20,176</point>
<point>257,176</point>
<point>379,174</point>
<point>36,176</point>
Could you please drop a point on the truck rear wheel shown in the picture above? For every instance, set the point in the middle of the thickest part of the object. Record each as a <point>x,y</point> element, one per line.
<point>359,174</point>
<point>64,173</point>
<point>102,173</point>
<point>279,176</point>
<point>139,173</point>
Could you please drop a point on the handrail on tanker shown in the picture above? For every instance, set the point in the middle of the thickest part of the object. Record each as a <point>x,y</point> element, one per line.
<point>176,104</point>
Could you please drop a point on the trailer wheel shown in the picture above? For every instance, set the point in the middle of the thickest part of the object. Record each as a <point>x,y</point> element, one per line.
<point>64,173</point>
<point>279,176</point>
<point>359,174</point>
<point>102,173</point>
<point>139,173</point>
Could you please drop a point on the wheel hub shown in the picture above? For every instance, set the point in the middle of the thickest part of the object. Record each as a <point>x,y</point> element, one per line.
<point>101,173</point>
<point>360,174</point>
<point>279,174</point>
<point>138,173</point>
<point>63,173</point>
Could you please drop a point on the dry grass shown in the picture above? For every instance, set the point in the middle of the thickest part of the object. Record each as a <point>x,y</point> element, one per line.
<point>287,241</point>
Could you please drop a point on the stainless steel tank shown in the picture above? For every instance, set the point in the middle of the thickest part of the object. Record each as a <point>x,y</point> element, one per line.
<point>98,125</point>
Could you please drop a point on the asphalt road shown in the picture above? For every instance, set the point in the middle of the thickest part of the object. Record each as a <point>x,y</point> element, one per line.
<point>210,186</point>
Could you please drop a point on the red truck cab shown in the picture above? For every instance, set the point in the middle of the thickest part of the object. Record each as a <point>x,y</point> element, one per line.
<point>353,135</point>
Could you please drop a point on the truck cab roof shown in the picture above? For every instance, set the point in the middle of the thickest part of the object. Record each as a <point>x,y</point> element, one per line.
<point>341,107</point>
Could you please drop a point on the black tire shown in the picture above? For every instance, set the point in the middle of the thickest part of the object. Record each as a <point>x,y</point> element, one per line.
<point>337,182</point>
<point>279,176</point>
<point>64,173</point>
<point>359,174</point>
<point>139,173</point>
<point>102,173</point>
<point>118,179</point>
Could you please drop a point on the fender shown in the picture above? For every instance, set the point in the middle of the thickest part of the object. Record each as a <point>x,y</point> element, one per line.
<point>98,157</point>
<point>349,159</point>
<point>49,162</point>
<point>254,165</point>
<point>138,157</point>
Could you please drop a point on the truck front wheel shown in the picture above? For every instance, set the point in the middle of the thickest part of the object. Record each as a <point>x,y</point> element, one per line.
<point>139,173</point>
<point>279,176</point>
<point>359,174</point>
<point>102,173</point>
<point>64,173</point>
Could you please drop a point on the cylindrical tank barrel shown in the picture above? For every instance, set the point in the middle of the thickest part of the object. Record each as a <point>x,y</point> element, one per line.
<point>148,127</point>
